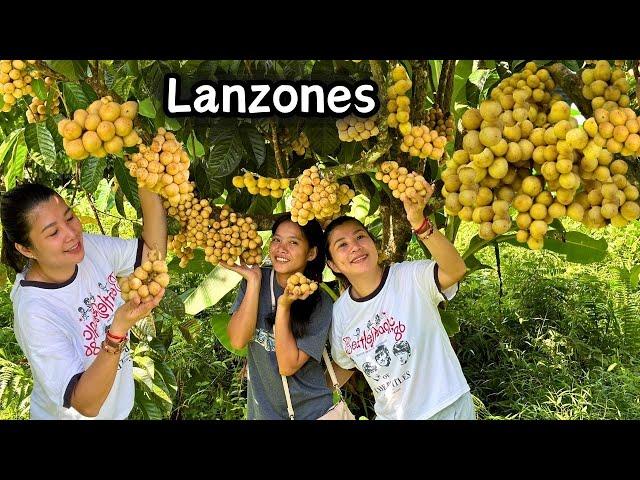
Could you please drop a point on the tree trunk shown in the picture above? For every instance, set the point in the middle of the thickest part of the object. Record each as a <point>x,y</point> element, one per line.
<point>571,84</point>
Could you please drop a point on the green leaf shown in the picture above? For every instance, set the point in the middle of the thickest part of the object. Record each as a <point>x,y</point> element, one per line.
<point>168,378</point>
<point>149,408</point>
<point>374,203</point>
<point>65,67</point>
<point>474,264</point>
<point>190,329</point>
<point>349,152</point>
<point>115,230</point>
<point>450,322</point>
<point>15,166</point>
<point>171,305</point>
<point>39,88</point>
<point>173,226</point>
<point>141,375</point>
<point>52,126</point>
<point>323,136</point>
<point>74,97</point>
<point>119,201</point>
<point>634,276</point>
<point>611,367</point>
<point>91,95</point>
<point>261,206</point>
<point>220,322</point>
<point>253,142</point>
<point>575,246</point>
<point>172,124</point>
<point>194,147</point>
<point>225,155</point>
<point>38,138</point>
<point>127,183</point>
<point>216,285</point>
<point>102,195</point>
<point>122,86</point>
<point>8,144</point>
<point>147,109</point>
<point>91,172</point>
<point>196,265</point>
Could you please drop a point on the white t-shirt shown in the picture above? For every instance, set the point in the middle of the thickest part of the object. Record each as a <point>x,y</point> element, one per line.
<point>60,328</point>
<point>396,338</point>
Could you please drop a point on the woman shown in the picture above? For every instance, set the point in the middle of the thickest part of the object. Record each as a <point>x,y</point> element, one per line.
<point>69,318</point>
<point>285,334</point>
<point>386,323</point>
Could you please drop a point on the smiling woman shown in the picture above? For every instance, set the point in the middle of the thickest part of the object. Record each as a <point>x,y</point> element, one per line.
<point>286,337</point>
<point>69,318</point>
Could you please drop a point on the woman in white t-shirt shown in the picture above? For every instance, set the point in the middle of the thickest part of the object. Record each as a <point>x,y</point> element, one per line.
<point>386,322</point>
<point>69,317</point>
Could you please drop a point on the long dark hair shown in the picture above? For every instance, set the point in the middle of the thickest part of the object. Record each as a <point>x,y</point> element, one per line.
<point>15,207</point>
<point>301,310</point>
<point>336,222</point>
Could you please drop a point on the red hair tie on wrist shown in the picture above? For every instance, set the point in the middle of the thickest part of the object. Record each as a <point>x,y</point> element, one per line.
<point>422,228</point>
<point>115,337</point>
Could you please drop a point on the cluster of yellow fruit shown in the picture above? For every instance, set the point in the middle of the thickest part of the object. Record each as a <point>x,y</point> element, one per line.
<point>608,197</point>
<point>147,280</point>
<point>15,81</point>
<point>298,285</point>
<point>356,129</point>
<point>403,184</point>
<point>224,238</point>
<point>523,149</point>
<point>264,186</point>
<point>162,167</point>
<point>398,104</point>
<point>444,124</point>
<point>422,142</point>
<point>105,127</point>
<point>605,87</point>
<point>37,110</point>
<point>300,144</point>
<point>316,197</point>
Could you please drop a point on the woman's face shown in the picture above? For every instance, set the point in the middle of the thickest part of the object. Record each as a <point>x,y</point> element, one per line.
<point>352,250</point>
<point>56,235</point>
<point>289,250</point>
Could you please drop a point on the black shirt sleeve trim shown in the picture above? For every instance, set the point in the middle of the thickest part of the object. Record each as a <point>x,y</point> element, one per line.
<point>437,280</point>
<point>139,253</point>
<point>70,388</point>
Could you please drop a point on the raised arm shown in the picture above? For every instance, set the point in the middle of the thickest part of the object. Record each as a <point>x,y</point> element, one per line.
<point>451,267</point>
<point>242,325</point>
<point>154,223</point>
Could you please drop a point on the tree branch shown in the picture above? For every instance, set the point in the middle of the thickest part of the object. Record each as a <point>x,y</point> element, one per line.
<point>276,147</point>
<point>448,89</point>
<point>571,84</point>
<point>420,85</point>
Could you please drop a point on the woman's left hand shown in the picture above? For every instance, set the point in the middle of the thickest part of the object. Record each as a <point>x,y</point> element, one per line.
<point>415,209</point>
<point>287,298</point>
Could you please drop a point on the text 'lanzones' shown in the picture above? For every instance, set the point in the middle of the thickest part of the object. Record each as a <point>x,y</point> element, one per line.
<point>264,99</point>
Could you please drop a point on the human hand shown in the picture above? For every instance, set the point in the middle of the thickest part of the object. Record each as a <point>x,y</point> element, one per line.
<point>414,206</point>
<point>128,314</point>
<point>251,273</point>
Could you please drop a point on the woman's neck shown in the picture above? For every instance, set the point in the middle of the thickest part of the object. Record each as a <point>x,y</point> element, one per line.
<point>366,283</point>
<point>59,275</point>
<point>282,278</point>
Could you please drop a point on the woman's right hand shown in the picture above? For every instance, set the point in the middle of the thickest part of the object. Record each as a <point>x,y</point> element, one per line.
<point>251,273</point>
<point>128,314</point>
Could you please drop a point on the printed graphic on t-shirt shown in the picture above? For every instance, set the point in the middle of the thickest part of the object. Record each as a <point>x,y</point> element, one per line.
<point>96,309</point>
<point>266,339</point>
<point>380,349</point>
